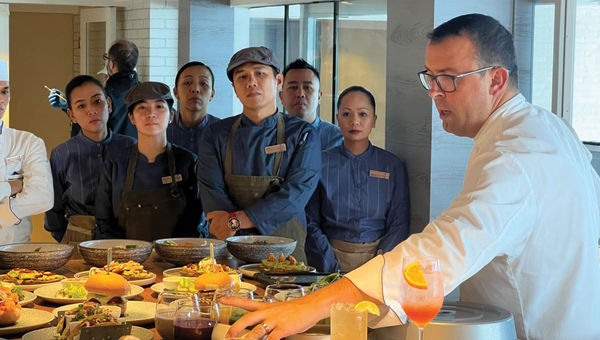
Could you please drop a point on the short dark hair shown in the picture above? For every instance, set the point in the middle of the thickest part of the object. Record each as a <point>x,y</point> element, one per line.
<point>78,81</point>
<point>493,42</point>
<point>195,63</point>
<point>356,88</point>
<point>301,64</point>
<point>125,54</point>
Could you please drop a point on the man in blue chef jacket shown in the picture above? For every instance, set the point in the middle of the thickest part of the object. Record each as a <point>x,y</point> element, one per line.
<point>257,170</point>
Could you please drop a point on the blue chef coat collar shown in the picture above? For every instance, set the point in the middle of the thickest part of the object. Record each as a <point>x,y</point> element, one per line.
<point>83,138</point>
<point>177,119</point>
<point>353,156</point>
<point>267,122</point>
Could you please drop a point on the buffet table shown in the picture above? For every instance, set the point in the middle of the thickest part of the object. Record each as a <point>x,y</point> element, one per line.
<point>154,264</point>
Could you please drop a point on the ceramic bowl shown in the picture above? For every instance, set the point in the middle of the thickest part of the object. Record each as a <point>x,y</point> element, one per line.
<point>42,256</point>
<point>95,252</point>
<point>186,254</point>
<point>255,248</point>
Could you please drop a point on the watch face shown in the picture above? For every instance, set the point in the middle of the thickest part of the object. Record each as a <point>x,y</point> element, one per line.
<point>234,223</point>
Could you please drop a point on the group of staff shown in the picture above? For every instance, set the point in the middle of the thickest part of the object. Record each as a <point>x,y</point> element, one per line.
<point>190,174</point>
<point>522,234</point>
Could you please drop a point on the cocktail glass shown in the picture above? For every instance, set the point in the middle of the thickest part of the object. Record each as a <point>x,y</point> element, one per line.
<point>166,306</point>
<point>422,294</point>
<point>347,323</point>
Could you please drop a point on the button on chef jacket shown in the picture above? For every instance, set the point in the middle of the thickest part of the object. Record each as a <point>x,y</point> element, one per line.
<point>76,167</point>
<point>329,134</point>
<point>355,203</point>
<point>521,235</point>
<point>188,137</point>
<point>147,176</point>
<point>300,167</point>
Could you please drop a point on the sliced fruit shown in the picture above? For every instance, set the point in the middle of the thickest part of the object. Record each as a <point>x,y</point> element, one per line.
<point>368,306</point>
<point>413,274</point>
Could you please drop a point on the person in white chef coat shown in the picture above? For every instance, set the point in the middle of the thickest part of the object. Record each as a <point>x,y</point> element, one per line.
<point>523,232</point>
<point>25,176</point>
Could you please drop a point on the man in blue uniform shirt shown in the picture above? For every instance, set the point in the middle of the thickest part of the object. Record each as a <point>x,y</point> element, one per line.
<point>257,170</point>
<point>301,95</point>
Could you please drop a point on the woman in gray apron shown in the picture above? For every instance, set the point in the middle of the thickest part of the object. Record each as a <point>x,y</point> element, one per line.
<point>75,163</point>
<point>361,205</point>
<point>151,193</point>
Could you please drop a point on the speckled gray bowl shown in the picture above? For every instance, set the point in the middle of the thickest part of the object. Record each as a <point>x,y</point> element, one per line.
<point>42,256</point>
<point>255,248</point>
<point>95,252</point>
<point>182,255</point>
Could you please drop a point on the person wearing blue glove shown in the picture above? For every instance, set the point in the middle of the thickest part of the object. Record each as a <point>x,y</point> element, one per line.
<point>57,100</point>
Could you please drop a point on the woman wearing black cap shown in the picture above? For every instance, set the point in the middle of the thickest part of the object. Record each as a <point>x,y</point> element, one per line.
<point>152,193</point>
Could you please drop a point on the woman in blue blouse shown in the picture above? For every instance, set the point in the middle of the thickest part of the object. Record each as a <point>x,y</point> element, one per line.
<point>361,205</point>
<point>75,163</point>
<point>149,190</point>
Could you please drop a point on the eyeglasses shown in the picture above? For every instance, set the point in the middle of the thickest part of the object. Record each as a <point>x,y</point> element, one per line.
<point>446,82</point>
<point>105,56</point>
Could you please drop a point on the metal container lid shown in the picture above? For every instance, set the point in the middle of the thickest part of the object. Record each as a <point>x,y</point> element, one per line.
<point>468,321</point>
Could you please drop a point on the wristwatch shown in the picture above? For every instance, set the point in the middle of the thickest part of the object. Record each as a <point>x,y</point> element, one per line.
<point>234,222</point>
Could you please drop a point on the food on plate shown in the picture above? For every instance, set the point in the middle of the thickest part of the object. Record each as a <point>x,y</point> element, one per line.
<point>127,246</point>
<point>324,281</point>
<point>10,310</point>
<point>130,270</point>
<point>108,289</point>
<point>72,290</point>
<point>283,265</point>
<point>180,244</point>
<point>23,276</point>
<point>13,289</point>
<point>87,314</point>
<point>205,266</point>
<point>213,281</point>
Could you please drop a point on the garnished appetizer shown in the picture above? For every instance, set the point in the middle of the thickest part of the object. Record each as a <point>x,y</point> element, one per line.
<point>205,266</point>
<point>87,314</point>
<point>23,276</point>
<point>283,265</point>
<point>10,310</point>
<point>131,270</point>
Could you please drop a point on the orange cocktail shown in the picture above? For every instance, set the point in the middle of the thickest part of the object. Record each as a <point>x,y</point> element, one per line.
<point>422,290</point>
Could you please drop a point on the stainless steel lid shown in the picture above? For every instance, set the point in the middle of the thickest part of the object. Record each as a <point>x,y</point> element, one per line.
<point>466,321</point>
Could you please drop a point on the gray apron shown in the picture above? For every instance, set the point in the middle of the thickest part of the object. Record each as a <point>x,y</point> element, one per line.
<point>151,214</point>
<point>353,255</point>
<point>79,229</point>
<point>247,190</point>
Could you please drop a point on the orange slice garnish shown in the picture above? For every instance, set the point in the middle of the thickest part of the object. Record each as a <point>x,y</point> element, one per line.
<point>413,274</point>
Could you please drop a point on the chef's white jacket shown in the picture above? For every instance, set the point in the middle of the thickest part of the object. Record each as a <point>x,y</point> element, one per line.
<point>521,235</point>
<point>22,155</point>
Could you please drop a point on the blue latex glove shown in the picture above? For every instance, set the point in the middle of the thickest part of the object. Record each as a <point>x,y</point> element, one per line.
<point>55,100</point>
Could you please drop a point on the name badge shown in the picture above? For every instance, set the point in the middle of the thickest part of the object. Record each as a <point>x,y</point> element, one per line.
<point>169,179</point>
<point>275,148</point>
<point>379,174</point>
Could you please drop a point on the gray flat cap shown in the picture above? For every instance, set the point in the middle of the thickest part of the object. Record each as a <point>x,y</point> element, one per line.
<point>261,55</point>
<point>148,90</point>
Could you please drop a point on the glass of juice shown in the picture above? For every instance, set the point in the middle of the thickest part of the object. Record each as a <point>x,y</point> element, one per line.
<point>422,290</point>
<point>165,312</point>
<point>194,321</point>
<point>347,323</point>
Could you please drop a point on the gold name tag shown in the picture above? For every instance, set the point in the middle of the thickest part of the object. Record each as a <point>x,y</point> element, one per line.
<point>379,174</point>
<point>169,179</point>
<point>275,148</point>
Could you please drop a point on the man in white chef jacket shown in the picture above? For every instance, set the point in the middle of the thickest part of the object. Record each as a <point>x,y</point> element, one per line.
<point>523,232</point>
<point>25,176</point>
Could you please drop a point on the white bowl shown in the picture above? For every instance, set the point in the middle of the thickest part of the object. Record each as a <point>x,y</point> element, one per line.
<point>171,282</point>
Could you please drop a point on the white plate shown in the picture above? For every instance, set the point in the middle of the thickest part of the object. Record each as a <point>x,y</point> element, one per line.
<point>48,293</point>
<point>50,333</point>
<point>28,297</point>
<point>138,312</point>
<point>140,282</point>
<point>30,319</point>
<point>174,272</point>
<point>159,287</point>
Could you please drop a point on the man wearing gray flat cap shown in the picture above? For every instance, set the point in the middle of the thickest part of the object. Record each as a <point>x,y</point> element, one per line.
<point>257,170</point>
<point>153,193</point>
